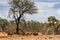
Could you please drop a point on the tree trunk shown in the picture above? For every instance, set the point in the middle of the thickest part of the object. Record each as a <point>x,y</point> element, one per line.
<point>17,28</point>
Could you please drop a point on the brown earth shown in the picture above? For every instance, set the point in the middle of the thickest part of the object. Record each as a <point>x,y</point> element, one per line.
<point>4,36</point>
<point>30,37</point>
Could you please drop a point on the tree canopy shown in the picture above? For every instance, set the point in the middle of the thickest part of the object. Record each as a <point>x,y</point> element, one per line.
<point>19,8</point>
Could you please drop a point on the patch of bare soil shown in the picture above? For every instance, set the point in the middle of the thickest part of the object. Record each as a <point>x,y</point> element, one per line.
<point>30,37</point>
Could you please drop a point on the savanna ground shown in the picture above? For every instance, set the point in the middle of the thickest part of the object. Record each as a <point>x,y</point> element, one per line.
<point>30,37</point>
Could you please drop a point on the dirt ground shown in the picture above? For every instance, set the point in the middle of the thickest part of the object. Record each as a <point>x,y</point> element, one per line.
<point>19,37</point>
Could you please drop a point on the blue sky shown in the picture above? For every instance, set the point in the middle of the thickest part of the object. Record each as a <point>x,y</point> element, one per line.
<point>46,8</point>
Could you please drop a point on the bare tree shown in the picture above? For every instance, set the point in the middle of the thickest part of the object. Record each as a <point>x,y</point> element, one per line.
<point>19,8</point>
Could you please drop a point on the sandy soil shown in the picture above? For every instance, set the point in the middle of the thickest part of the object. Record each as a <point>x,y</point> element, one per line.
<point>17,37</point>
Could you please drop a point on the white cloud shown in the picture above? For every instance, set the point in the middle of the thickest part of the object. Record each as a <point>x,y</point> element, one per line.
<point>46,0</point>
<point>58,11</point>
<point>42,6</point>
<point>3,2</point>
<point>47,4</point>
<point>4,8</point>
<point>45,9</point>
<point>4,14</point>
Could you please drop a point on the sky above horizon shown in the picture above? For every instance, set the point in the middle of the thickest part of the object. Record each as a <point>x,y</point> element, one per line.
<point>46,8</point>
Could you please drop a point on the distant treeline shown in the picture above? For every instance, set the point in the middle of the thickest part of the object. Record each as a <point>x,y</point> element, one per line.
<point>52,26</point>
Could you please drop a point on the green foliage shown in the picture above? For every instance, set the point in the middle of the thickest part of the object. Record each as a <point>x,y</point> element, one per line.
<point>53,22</point>
<point>31,26</point>
<point>3,24</point>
